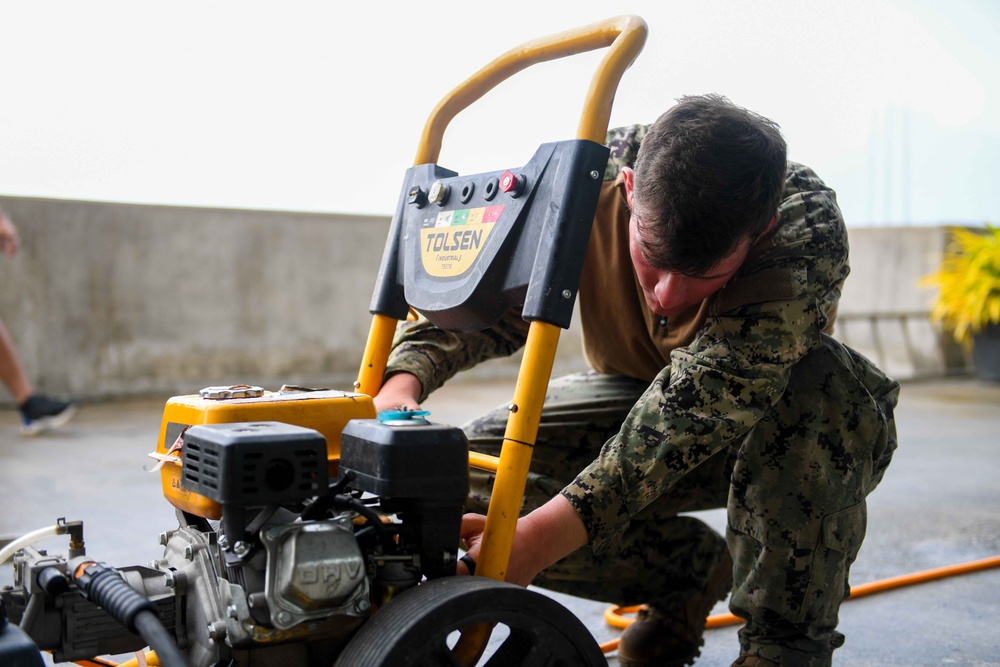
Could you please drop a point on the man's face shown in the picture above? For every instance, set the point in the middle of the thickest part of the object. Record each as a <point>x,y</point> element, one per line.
<point>669,293</point>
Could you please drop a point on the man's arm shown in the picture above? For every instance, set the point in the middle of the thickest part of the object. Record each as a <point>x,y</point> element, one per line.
<point>402,390</point>
<point>433,355</point>
<point>542,537</point>
<point>715,390</point>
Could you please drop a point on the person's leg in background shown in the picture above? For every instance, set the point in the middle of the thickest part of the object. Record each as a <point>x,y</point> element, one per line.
<point>39,413</point>
<point>11,371</point>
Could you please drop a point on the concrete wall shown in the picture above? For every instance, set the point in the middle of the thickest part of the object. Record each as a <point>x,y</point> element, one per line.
<point>112,299</point>
<point>109,300</point>
<point>884,310</point>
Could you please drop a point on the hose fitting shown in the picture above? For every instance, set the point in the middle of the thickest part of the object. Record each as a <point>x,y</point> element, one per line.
<point>105,587</point>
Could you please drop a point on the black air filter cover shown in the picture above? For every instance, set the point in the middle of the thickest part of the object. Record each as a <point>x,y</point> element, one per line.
<point>406,461</point>
<point>254,463</point>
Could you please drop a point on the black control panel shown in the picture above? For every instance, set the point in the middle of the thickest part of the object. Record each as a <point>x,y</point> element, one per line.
<point>463,249</point>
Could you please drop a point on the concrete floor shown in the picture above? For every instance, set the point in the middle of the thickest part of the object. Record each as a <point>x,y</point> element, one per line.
<point>938,505</point>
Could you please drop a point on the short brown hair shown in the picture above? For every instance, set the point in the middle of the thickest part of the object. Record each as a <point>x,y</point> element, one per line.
<point>708,174</point>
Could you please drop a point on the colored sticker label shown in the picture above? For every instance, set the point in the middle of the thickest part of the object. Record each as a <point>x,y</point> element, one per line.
<point>492,213</point>
<point>476,215</point>
<point>452,244</point>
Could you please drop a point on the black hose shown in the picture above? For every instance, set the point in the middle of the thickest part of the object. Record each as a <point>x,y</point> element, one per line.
<point>374,518</point>
<point>323,504</point>
<point>105,587</point>
<point>341,501</point>
<point>158,638</point>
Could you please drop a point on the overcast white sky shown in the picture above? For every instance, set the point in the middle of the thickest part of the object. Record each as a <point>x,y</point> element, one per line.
<point>318,106</point>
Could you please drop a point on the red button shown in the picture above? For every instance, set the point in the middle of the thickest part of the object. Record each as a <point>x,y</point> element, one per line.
<point>508,182</point>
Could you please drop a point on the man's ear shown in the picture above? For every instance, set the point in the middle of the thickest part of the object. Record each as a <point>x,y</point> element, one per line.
<point>629,177</point>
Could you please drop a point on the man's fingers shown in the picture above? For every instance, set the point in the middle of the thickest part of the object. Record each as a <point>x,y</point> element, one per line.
<point>471,534</point>
<point>472,526</point>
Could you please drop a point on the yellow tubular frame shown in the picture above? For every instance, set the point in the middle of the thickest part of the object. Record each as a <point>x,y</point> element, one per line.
<point>376,355</point>
<point>625,35</point>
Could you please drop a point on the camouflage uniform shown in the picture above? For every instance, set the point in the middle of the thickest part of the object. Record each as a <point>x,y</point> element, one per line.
<point>760,412</point>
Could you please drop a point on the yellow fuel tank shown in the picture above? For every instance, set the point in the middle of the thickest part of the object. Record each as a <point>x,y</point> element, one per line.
<point>326,411</point>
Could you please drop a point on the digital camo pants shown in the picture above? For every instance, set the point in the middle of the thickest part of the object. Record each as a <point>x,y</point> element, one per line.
<point>794,489</point>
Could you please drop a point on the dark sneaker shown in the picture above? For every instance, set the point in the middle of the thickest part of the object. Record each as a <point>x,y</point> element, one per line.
<point>40,414</point>
<point>673,638</point>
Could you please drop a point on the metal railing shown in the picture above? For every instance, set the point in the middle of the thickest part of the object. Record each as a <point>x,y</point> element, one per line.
<point>901,323</point>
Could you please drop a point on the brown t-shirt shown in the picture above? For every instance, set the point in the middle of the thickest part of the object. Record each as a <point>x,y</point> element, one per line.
<point>621,335</point>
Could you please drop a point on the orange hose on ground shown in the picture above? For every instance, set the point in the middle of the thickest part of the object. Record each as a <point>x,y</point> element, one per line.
<point>615,616</point>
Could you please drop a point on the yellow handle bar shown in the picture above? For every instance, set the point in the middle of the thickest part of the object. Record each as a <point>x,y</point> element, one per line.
<point>625,35</point>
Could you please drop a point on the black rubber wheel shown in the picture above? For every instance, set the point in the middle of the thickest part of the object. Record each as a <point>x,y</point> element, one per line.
<point>414,629</point>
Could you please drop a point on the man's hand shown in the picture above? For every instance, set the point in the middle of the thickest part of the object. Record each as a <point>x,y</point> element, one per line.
<point>546,535</point>
<point>402,389</point>
<point>8,236</point>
